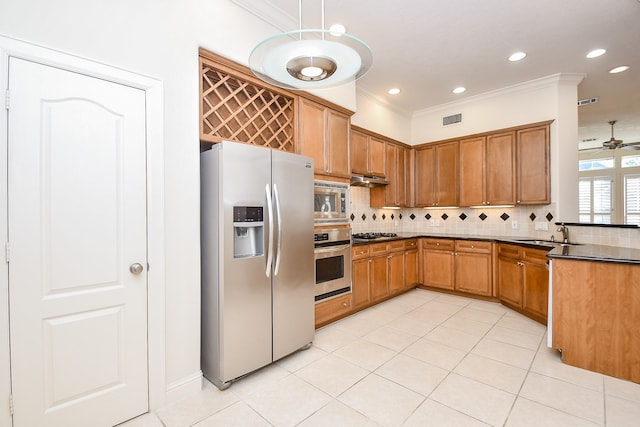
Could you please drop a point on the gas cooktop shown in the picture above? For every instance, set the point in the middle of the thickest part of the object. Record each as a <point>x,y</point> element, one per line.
<point>371,236</point>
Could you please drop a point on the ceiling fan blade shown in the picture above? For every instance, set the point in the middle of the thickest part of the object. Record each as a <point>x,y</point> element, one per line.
<point>630,146</point>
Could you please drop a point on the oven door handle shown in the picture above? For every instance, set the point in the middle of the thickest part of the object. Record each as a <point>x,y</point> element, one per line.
<point>331,249</point>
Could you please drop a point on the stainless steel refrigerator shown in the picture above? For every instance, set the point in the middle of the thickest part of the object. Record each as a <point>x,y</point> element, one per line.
<point>257,258</point>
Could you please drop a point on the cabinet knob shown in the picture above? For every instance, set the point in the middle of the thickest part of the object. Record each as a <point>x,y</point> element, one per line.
<point>370,261</point>
<point>437,244</point>
<point>472,246</point>
<point>344,304</point>
<point>390,256</point>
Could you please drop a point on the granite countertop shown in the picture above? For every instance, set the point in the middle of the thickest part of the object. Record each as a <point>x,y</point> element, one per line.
<point>585,252</point>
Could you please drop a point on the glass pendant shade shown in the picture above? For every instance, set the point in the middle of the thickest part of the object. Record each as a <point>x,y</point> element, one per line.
<point>310,59</point>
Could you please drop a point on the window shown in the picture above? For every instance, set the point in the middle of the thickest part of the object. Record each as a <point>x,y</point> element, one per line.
<point>630,161</point>
<point>595,199</point>
<point>596,164</point>
<point>632,199</point>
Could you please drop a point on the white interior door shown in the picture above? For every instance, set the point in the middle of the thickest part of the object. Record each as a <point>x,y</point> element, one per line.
<point>77,222</point>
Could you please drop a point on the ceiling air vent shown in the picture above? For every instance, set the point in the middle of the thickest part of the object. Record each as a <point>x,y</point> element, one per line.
<point>587,101</point>
<point>449,120</point>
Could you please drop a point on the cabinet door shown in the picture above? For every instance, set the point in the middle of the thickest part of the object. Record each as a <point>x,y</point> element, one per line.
<point>438,269</point>
<point>533,165</point>
<point>360,279</point>
<point>377,157</point>
<point>411,268</point>
<point>510,281</point>
<point>500,169</point>
<point>536,290</point>
<point>473,273</point>
<point>395,262</point>
<point>359,152</point>
<point>338,144</point>
<point>447,174</point>
<point>472,172</point>
<point>312,134</point>
<point>379,278</point>
<point>401,176</point>
<point>331,309</point>
<point>425,177</point>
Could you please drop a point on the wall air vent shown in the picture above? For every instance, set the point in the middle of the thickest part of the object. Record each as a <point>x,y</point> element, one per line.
<point>587,101</point>
<point>449,120</point>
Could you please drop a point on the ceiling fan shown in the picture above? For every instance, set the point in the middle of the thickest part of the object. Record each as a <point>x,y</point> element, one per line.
<point>614,143</point>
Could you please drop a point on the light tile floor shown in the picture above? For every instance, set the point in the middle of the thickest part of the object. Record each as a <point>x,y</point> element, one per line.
<point>420,359</point>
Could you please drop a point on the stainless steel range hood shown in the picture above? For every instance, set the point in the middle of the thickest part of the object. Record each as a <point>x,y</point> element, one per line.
<point>368,181</point>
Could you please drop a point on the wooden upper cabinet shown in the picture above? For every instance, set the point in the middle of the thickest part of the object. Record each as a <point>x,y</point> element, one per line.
<point>437,175</point>
<point>487,170</point>
<point>367,154</point>
<point>324,136</point>
<point>472,172</point>
<point>533,182</point>
<point>393,194</point>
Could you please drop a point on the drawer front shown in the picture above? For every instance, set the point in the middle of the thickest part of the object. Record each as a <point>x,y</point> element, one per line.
<point>537,256</point>
<point>509,251</point>
<point>411,243</point>
<point>333,308</point>
<point>395,246</point>
<point>473,246</point>
<point>438,244</point>
<point>360,251</point>
<point>377,249</point>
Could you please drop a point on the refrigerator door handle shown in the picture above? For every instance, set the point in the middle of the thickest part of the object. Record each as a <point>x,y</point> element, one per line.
<point>277,203</point>
<point>267,192</point>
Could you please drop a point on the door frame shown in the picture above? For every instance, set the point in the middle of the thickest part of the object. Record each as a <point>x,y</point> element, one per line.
<point>155,206</point>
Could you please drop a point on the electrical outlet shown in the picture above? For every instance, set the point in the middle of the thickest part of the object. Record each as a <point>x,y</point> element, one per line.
<point>514,225</point>
<point>541,226</point>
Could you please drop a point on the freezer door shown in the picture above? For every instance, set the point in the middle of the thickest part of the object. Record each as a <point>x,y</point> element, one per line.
<point>294,274</point>
<point>245,289</point>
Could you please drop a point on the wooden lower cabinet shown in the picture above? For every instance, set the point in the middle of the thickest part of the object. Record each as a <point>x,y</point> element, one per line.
<point>411,268</point>
<point>473,267</point>
<point>332,309</point>
<point>378,276</point>
<point>360,279</point>
<point>460,265</point>
<point>523,280</point>
<point>596,313</point>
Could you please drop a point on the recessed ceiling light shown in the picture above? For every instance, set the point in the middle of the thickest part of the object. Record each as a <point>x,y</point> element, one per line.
<point>619,69</point>
<point>517,56</point>
<point>596,52</point>
<point>459,89</point>
<point>337,29</point>
<point>394,91</point>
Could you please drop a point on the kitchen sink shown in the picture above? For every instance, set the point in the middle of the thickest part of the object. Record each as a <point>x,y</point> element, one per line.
<point>546,242</point>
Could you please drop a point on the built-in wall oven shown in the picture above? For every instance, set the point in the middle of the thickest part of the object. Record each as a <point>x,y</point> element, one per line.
<point>333,262</point>
<point>330,202</point>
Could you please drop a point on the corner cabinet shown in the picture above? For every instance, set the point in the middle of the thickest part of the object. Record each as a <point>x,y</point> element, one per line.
<point>324,136</point>
<point>523,280</point>
<point>395,193</point>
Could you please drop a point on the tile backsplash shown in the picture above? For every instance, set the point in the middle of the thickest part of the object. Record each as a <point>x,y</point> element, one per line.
<point>522,221</point>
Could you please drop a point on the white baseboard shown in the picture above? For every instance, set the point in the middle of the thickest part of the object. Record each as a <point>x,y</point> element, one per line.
<point>182,388</point>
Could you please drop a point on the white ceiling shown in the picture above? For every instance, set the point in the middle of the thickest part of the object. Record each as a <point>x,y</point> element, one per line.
<point>427,48</point>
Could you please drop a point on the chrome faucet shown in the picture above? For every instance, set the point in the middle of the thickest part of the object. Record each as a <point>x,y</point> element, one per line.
<point>565,233</point>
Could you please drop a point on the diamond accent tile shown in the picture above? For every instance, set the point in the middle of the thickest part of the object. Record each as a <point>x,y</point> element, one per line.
<point>393,216</point>
<point>412,216</point>
<point>353,217</point>
<point>384,216</point>
<point>463,216</point>
<point>364,217</point>
<point>374,216</point>
<point>444,216</point>
<point>504,216</point>
<point>428,216</point>
<point>482,216</point>
<point>399,216</point>
<point>532,216</point>
<point>549,216</point>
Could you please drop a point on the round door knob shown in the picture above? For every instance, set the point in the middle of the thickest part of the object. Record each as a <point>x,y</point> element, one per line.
<point>136,268</point>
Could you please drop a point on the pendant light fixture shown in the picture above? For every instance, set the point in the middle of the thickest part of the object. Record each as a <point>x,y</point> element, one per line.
<point>310,59</point>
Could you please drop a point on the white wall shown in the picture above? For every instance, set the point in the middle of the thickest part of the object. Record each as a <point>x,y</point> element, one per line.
<point>376,116</point>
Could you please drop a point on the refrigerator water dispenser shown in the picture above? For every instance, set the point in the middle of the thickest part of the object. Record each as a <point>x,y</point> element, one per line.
<point>248,231</point>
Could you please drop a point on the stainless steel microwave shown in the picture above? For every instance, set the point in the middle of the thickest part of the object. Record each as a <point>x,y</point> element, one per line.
<point>330,202</point>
